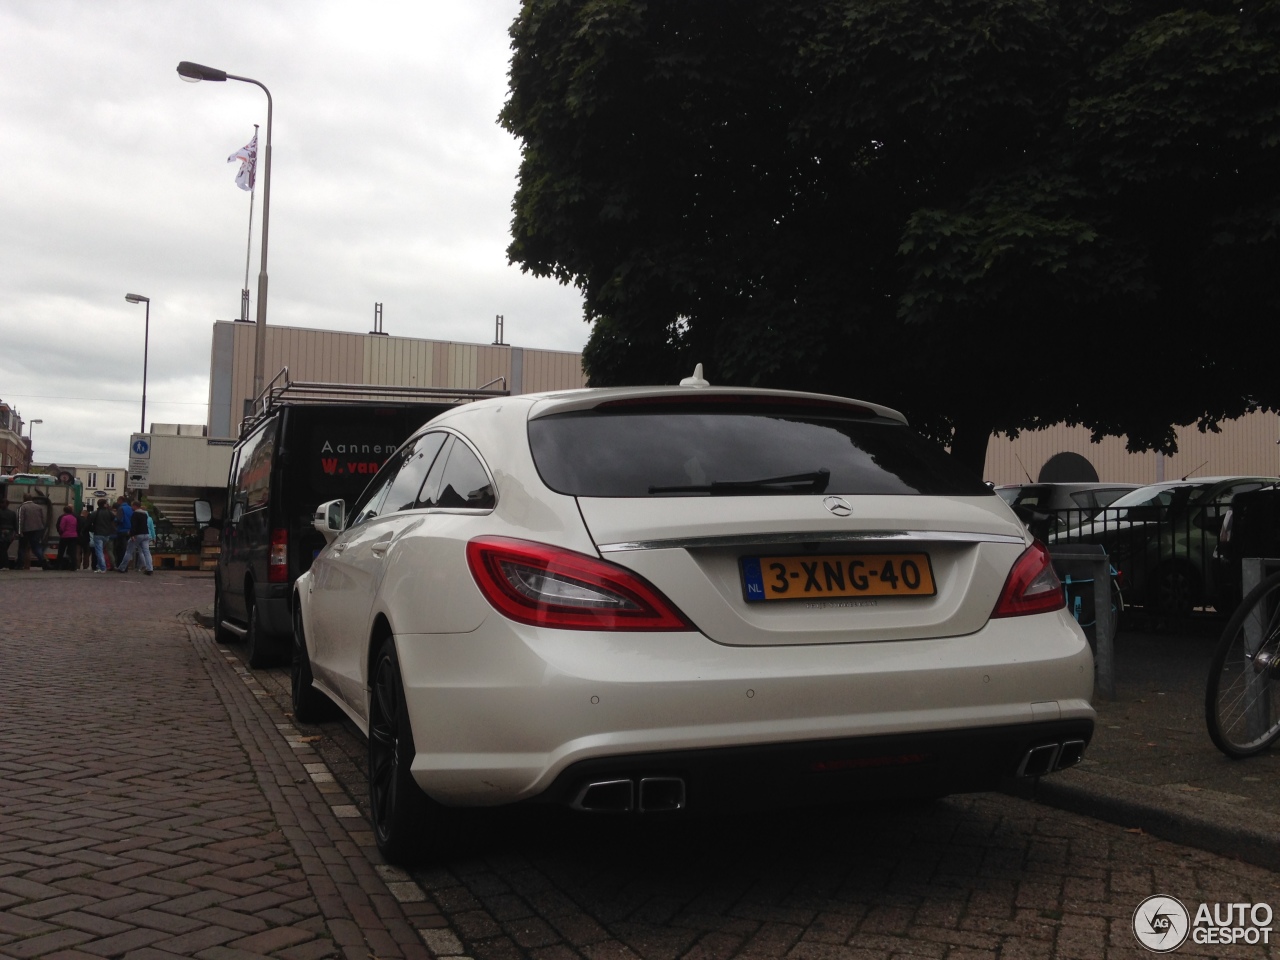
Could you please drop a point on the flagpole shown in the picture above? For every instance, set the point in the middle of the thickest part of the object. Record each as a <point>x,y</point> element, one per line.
<point>248,246</point>
<point>196,71</point>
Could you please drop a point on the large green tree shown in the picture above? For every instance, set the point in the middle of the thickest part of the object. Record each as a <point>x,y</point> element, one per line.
<point>996,215</point>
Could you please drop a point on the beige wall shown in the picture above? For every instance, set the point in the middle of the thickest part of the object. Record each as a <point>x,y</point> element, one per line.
<point>1244,447</point>
<point>329,357</point>
<point>187,462</point>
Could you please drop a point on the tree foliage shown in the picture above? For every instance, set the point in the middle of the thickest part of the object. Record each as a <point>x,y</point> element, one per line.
<point>996,215</point>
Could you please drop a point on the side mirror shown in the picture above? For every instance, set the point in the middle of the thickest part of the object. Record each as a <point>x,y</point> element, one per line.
<point>203,513</point>
<point>330,518</point>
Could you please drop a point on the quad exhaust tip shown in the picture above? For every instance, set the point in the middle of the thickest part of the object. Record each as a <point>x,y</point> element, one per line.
<point>645,795</point>
<point>1050,757</point>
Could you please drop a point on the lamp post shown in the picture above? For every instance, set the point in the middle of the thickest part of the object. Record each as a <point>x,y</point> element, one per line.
<point>31,432</point>
<point>146,341</point>
<point>195,71</point>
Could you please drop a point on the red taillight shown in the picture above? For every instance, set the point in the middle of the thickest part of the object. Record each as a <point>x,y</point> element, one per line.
<point>550,587</point>
<point>278,558</point>
<point>1032,586</point>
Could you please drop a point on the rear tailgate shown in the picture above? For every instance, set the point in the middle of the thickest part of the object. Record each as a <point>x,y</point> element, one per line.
<point>774,570</point>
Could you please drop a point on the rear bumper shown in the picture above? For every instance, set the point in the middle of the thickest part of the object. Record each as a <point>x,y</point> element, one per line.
<point>820,771</point>
<point>504,713</point>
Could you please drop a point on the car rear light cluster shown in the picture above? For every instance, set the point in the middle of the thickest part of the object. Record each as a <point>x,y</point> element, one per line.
<point>548,586</point>
<point>1032,586</point>
<point>278,558</point>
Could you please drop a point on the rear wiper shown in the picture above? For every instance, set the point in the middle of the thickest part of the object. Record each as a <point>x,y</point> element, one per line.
<point>816,482</point>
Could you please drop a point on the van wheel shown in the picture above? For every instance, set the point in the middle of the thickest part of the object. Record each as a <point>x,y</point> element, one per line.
<point>255,647</point>
<point>309,704</point>
<point>399,807</point>
<point>220,633</point>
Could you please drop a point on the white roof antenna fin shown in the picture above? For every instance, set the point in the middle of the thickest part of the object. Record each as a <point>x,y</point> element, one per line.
<point>696,380</point>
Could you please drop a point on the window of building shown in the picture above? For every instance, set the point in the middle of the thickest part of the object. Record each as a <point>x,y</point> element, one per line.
<point>111,481</point>
<point>92,480</point>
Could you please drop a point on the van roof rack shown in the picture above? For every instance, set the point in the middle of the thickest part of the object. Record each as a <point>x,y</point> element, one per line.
<point>283,392</point>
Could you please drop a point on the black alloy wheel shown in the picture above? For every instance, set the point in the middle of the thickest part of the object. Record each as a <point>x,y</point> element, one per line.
<point>1174,589</point>
<point>399,807</point>
<point>309,704</point>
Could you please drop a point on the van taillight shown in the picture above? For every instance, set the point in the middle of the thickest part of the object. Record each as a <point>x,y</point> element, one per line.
<point>278,559</point>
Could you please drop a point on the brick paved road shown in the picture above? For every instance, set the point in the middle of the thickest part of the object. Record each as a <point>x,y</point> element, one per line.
<point>986,876</point>
<point>149,808</point>
<point>980,876</point>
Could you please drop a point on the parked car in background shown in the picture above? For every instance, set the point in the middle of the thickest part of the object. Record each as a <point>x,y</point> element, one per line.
<point>651,600</point>
<point>307,444</point>
<point>1046,507</point>
<point>1250,528</point>
<point>1161,539</point>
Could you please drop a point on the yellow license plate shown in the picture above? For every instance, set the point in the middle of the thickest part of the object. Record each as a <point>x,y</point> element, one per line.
<point>859,575</point>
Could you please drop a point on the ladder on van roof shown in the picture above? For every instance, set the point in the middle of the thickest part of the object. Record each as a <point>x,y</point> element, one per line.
<point>283,392</point>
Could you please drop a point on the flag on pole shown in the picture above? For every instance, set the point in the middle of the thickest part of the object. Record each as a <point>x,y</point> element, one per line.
<point>248,157</point>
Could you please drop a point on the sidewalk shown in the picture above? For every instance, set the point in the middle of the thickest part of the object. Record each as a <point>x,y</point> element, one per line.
<point>1152,766</point>
<point>150,807</point>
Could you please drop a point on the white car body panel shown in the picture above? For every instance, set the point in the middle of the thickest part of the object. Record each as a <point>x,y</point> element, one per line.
<point>499,709</point>
<point>705,580</point>
<point>498,713</point>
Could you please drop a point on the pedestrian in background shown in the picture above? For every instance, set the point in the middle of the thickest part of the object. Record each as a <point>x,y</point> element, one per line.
<point>123,515</point>
<point>32,522</point>
<point>8,533</point>
<point>47,506</point>
<point>82,539</point>
<point>68,537</point>
<point>139,540</point>
<point>102,528</point>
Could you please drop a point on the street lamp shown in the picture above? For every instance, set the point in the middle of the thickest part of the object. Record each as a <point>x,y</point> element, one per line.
<point>31,432</point>
<point>194,72</point>
<point>146,340</point>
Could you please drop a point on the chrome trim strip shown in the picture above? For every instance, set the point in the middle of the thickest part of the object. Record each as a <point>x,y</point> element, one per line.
<point>797,538</point>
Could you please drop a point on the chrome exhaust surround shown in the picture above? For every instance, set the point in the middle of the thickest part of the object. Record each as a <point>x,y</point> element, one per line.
<point>1050,757</point>
<point>648,795</point>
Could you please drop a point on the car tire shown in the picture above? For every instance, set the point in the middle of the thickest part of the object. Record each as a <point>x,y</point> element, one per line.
<point>220,633</point>
<point>309,704</point>
<point>1174,590</point>
<point>400,811</point>
<point>255,647</point>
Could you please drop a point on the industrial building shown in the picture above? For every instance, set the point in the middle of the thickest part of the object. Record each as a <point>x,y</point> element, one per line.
<point>189,461</point>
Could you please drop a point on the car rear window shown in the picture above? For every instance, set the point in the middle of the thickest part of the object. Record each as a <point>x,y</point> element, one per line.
<point>668,450</point>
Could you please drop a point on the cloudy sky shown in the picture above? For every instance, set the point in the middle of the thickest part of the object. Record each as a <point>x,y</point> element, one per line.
<point>391,182</point>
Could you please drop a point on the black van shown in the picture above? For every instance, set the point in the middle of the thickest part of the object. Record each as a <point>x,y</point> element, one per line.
<point>311,443</point>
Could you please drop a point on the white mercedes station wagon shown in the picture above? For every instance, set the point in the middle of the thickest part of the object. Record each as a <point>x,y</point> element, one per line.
<point>680,598</point>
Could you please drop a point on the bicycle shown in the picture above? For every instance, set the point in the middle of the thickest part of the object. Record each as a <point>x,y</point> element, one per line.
<point>1242,701</point>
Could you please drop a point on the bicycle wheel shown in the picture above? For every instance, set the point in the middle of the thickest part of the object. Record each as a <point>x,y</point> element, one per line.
<point>1242,701</point>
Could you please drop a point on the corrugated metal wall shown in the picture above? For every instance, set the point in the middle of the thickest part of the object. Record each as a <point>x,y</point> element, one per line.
<point>330,357</point>
<point>1244,447</point>
<point>544,370</point>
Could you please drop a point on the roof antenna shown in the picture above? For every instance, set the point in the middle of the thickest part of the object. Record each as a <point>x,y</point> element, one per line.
<point>1024,468</point>
<point>696,380</point>
<point>1194,471</point>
